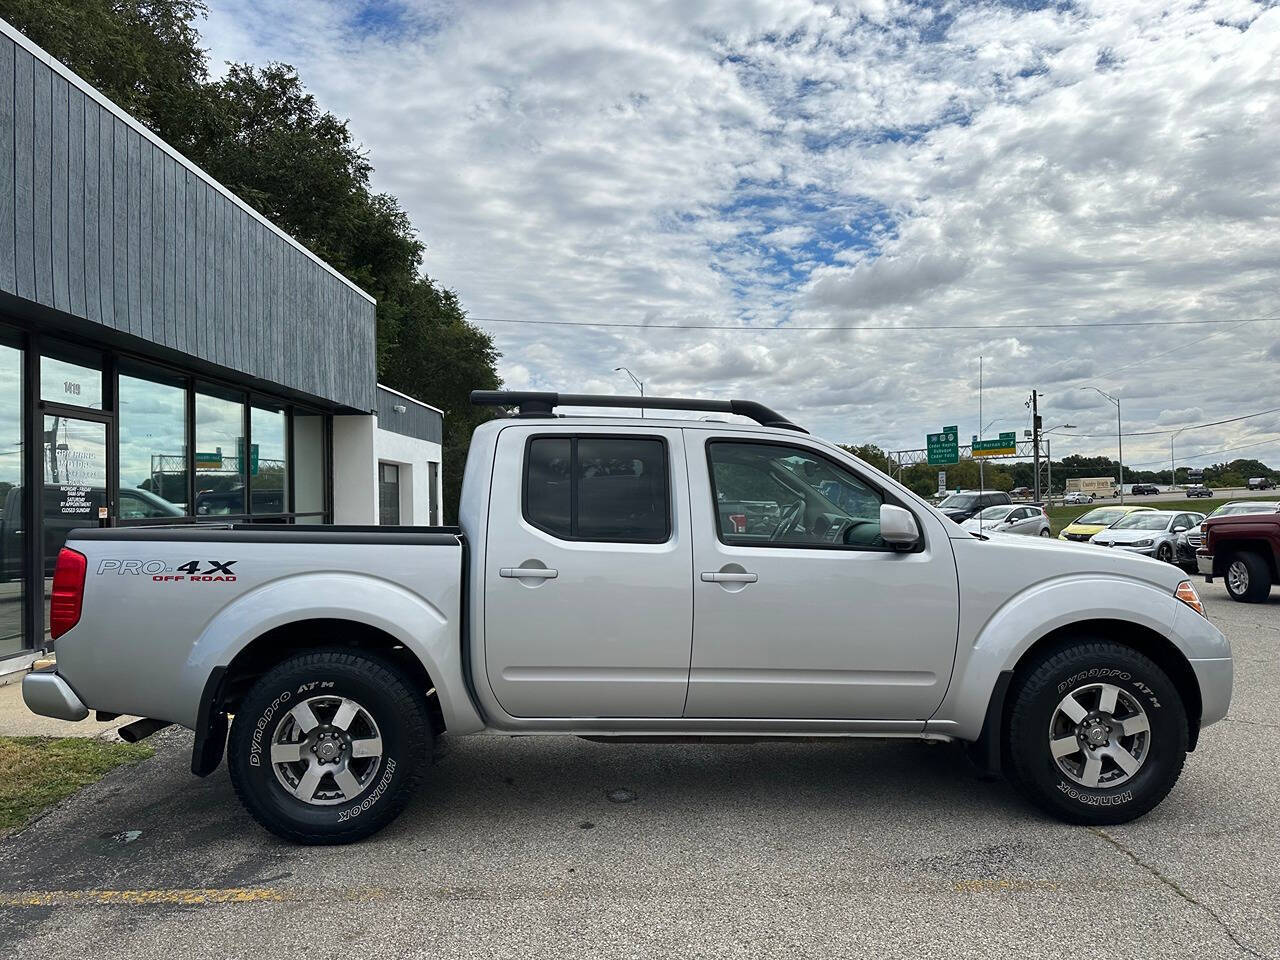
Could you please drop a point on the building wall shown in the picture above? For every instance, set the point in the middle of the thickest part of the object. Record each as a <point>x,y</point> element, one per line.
<point>104,223</point>
<point>359,445</point>
<point>416,419</point>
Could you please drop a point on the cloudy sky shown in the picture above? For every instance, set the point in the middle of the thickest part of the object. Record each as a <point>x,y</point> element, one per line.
<point>759,167</point>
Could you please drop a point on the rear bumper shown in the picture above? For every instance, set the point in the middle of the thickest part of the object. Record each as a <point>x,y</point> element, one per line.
<point>49,695</point>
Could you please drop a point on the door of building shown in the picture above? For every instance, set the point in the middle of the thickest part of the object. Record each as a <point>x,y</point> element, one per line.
<point>75,469</point>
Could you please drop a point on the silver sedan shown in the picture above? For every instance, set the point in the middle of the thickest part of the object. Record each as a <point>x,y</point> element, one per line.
<point>1010,518</point>
<point>1153,533</point>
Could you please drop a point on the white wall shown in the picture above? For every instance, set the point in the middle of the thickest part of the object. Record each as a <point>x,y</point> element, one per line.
<point>358,447</point>
<point>355,465</point>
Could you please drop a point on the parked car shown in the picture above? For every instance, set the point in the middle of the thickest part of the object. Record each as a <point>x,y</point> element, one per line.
<point>1083,528</point>
<point>1190,542</point>
<point>1243,549</point>
<point>1152,533</point>
<point>1076,497</point>
<point>1031,520</point>
<point>1199,490</point>
<point>1144,489</point>
<point>969,503</point>
<point>1261,483</point>
<point>592,589</point>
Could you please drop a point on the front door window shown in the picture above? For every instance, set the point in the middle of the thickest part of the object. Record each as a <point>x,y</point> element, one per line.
<point>75,482</point>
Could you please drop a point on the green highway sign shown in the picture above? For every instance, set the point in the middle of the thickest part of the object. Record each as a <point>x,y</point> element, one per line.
<point>944,447</point>
<point>1005,444</point>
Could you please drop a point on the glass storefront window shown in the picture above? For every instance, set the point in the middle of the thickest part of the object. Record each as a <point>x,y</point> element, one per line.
<point>64,382</point>
<point>308,466</point>
<point>219,452</point>
<point>268,469</point>
<point>153,449</point>
<point>12,541</point>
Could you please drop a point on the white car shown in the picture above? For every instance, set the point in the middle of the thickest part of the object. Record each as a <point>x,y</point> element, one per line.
<point>1075,496</point>
<point>1008,518</point>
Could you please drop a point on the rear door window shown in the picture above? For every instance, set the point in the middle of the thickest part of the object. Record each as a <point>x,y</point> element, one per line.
<point>599,488</point>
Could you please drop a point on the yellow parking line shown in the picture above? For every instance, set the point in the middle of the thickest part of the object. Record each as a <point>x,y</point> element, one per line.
<point>57,898</point>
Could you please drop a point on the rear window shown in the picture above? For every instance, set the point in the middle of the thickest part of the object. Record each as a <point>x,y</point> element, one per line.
<point>598,488</point>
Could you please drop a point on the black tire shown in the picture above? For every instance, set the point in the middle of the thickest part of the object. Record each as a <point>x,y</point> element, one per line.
<point>1082,665</point>
<point>1046,532</point>
<point>1253,583</point>
<point>1164,552</point>
<point>388,699</point>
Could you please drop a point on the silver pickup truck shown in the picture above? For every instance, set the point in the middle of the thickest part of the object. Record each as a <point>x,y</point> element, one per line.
<point>635,578</point>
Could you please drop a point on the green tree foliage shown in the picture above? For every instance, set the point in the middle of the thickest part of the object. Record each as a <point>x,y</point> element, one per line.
<point>143,54</point>
<point>259,132</point>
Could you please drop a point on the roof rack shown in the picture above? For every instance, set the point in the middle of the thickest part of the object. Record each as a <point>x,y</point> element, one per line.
<point>535,403</point>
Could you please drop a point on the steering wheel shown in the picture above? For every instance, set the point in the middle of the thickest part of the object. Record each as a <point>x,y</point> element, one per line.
<point>788,520</point>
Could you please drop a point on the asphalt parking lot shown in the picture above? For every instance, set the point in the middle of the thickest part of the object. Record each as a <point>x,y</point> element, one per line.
<point>886,849</point>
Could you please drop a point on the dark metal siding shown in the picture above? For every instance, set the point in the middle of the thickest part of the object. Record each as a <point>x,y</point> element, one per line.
<point>416,421</point>
<point>99,222</point>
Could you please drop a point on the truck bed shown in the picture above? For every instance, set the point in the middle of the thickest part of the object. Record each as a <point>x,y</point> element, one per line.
<point>177,602</point>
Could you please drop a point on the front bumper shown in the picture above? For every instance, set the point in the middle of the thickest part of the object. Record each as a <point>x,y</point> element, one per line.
<point>1204,565</point>
<point>1142,551</point>
<point>49,695</point>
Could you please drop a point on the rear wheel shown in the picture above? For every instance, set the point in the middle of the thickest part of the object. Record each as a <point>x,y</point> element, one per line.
<point>1248,578</point>
<point>329,746</point>
<point>1045,532</point>
<point>1097,733</point>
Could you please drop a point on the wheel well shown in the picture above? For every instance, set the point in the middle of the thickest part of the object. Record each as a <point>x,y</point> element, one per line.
<point>1135,636</point>
<point>278,644</point>
<point>1232,547</point>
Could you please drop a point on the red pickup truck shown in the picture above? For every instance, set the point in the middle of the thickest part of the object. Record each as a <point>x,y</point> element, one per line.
<point>1243,549</point>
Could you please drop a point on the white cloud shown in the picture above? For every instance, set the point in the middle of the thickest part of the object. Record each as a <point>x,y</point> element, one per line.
<point>787,162</point>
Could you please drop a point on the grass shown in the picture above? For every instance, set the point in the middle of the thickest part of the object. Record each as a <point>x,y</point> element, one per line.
<point>1059,517</point>
<point>38,771</point>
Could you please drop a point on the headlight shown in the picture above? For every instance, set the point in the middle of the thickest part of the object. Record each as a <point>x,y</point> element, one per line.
<point>1186,592</point>
<point>1142,543</point>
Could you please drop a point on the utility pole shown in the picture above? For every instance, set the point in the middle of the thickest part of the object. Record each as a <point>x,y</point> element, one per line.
<point>982,480</point>
<point>1033,403</point>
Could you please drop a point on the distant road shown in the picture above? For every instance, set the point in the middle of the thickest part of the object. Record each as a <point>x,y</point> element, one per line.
<point>1180,496</point>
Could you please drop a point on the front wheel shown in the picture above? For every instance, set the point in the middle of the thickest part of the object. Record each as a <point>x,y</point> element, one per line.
<point>329,746</point>
<point>1165,552</point>
<point>1248,578</point>
<point>1097,733</point>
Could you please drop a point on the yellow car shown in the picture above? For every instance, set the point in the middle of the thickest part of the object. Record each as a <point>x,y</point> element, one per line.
<point>1095,521</point>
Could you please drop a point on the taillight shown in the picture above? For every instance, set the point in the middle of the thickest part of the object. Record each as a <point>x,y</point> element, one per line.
<point>68,592</point>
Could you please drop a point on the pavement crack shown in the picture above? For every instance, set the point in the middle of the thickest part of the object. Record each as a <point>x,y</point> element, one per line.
<point>1179,890</point>
<point>1251,723</point>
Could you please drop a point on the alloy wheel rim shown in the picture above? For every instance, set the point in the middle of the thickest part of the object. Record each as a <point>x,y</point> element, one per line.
<point>327,750</point>
<point>1099,735</point>
<point>1238,576</point>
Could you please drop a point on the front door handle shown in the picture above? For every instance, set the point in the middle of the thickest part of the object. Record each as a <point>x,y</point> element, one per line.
<point>528,573</point>
<point>711,576</point>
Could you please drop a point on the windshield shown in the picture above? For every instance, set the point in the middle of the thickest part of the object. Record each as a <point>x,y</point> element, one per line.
<point>1103,516</point>
<point>1230,509</point>
<point>994,513</point>
<point>962,500</point>
<point>1143,521</point>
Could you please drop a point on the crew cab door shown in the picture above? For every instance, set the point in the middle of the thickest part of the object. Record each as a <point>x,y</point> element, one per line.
<point>800,609</point>
<point>588,603</point>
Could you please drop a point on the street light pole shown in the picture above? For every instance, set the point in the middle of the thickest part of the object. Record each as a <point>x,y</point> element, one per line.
<point>637,381</point>
<point>1119,435</point>
<point>1173,466</point>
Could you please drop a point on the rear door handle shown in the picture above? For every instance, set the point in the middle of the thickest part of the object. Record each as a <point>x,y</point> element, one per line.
<point>528,573</point>
<point>710,576</point>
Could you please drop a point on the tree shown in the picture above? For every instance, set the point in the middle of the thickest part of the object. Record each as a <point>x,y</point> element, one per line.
<point>143,54</point>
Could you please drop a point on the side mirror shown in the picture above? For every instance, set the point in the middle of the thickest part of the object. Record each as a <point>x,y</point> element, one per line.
<point>898,527</point>
<point>1179,528</point>
<point>1009,520</point>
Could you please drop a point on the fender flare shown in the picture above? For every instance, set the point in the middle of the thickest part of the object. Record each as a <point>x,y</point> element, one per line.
<point>975,698</point>
<point>431,634</point>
